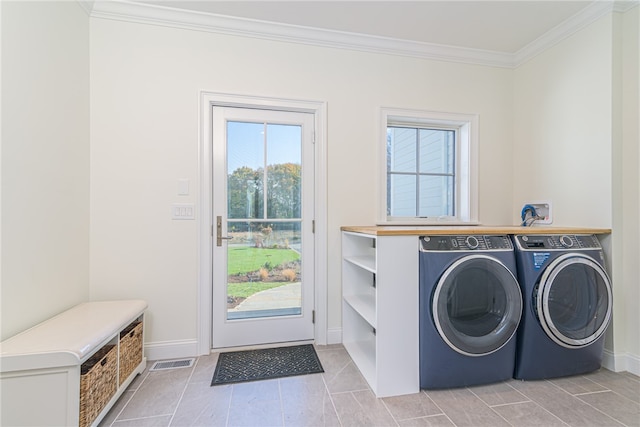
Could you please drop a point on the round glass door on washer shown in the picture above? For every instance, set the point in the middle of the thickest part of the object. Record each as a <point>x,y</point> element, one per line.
<point>470,308</point>
<point>568,305</point>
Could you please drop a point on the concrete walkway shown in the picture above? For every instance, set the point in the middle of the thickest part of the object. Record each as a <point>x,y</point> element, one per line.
<point>285,296</point>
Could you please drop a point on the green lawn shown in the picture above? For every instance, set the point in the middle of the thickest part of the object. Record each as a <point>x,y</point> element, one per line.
<point>243,260</point>
<point>246,289</point>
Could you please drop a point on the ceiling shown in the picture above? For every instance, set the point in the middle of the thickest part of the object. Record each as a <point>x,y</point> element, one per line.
<point>504,26</point>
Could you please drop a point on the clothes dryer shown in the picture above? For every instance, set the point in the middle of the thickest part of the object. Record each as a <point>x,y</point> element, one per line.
<point>567,305</point>
<point>470,307</point>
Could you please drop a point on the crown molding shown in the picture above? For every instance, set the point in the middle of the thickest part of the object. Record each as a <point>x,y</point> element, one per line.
<point>86,5</point>
<point>582,19</point>
<point>227,25</point>
<point>623,6</point>
<point>123,10</point>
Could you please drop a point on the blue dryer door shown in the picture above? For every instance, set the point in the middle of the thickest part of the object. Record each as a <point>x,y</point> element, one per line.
<point>476,305</point>
<point>573,300</point>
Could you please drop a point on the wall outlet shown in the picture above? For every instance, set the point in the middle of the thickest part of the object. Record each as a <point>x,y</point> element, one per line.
<point>543,210</point>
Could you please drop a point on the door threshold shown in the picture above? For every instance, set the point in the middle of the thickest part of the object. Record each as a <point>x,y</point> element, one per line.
<point>258,314</point>
<point>261,346</point>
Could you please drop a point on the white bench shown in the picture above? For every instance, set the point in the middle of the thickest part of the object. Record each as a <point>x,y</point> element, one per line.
<point>40,368</point>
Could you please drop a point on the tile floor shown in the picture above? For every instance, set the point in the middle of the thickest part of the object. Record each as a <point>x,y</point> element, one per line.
<point>341,397</point>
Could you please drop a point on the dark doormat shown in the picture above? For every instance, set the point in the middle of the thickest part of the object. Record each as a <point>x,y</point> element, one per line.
<point>253,365</point>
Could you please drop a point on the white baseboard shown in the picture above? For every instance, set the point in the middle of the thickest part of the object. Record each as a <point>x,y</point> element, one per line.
<point>163,350</point>
<point>619,362</point>
<point>334,336</point>
<point>633,364</point>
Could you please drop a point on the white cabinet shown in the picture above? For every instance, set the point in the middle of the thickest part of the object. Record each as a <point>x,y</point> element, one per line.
<point>380,310</point>
<point>40,368</point>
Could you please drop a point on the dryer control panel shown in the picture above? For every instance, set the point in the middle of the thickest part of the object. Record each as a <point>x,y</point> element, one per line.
<point>563,242</point>
<point>465,243</point>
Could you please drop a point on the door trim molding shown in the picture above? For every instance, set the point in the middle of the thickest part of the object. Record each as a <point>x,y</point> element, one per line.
<point>205,213</point>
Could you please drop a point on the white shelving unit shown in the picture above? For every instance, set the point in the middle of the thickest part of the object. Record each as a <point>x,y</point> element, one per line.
<point>380,310</point>
<point>40,368</point>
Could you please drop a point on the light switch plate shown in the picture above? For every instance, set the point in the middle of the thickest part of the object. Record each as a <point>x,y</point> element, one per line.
<point>183,187</point>
<point>183,211</point>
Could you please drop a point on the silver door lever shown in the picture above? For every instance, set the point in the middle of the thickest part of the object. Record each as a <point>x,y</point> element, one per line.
<point>219,236</point>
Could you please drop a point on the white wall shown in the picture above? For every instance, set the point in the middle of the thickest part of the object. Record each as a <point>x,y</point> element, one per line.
<point>571,147</point>
<point>145,82</point>
<point>626,203</point>
<point>562,139</point>
<point>45,161</point>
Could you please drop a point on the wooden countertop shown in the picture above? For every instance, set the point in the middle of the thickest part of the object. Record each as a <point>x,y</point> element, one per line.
<point>396,230</point>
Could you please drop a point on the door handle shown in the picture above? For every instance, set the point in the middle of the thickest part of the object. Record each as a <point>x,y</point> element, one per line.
<point>219,236</point>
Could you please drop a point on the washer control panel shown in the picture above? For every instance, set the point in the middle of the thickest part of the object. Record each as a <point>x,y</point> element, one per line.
<point>466,243</point>
<point>538,242</point>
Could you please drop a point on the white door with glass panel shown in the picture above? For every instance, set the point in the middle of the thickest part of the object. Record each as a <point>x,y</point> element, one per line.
<point>263,249</point>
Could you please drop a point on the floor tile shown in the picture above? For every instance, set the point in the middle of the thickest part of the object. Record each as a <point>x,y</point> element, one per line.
<point>333,360</point>
<point>411,406</point>
<point>348,378</point>
<point>204,369</point>
<point>627,375</point>
<point>315,409</point>
<point>203,405</point>
<point>258,413</point>
<point>527,414</point>
<point>307,402</point>
<point>139,378</point>
<point>158,394</point>
<point>465,409</point>
<point>340,397</point>
<point>568,408</point>
<point>617,407</point>
<point>432,421</point>
<point>328,347</point>
<point>117,408</point>
<point>255,392</point>
<point>498,394</point>
<point>161,421</point>
<point>302,385</point>
<point>361,409</point>
<point>625,385</point>
<point>577,384</point>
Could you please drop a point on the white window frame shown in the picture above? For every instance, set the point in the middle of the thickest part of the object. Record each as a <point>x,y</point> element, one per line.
<point>466,163</point>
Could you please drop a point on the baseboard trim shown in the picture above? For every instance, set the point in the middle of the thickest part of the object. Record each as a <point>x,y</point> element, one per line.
<point>161,350</point>
<point>633,364</point>
<point>334,336</point>
<point>620,362</point>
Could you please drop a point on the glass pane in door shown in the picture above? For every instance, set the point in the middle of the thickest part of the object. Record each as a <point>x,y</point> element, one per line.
<point>264,164</point>
<point>263,269</point>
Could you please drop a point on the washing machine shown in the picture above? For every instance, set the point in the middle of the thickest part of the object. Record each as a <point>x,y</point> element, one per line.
<point>470,307</point>
<point>567,305</point>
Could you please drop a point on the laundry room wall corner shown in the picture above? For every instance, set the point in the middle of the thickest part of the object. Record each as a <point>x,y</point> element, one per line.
<point>619,354</point>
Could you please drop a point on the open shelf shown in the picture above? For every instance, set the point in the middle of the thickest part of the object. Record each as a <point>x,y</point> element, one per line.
<point>380,310</point>
<point>364,305</point>
<point>367,262</point>
<point>360,341</point>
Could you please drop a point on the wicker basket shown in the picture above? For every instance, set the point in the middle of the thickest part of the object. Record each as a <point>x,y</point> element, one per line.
<point>130,350</point>
<point>98,383</point>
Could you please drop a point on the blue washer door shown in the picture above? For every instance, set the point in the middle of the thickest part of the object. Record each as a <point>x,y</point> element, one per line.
<point>477,305</point>
<point>573,300</point>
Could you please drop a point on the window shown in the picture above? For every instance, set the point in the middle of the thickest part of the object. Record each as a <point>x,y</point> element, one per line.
<point>429,173</point>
